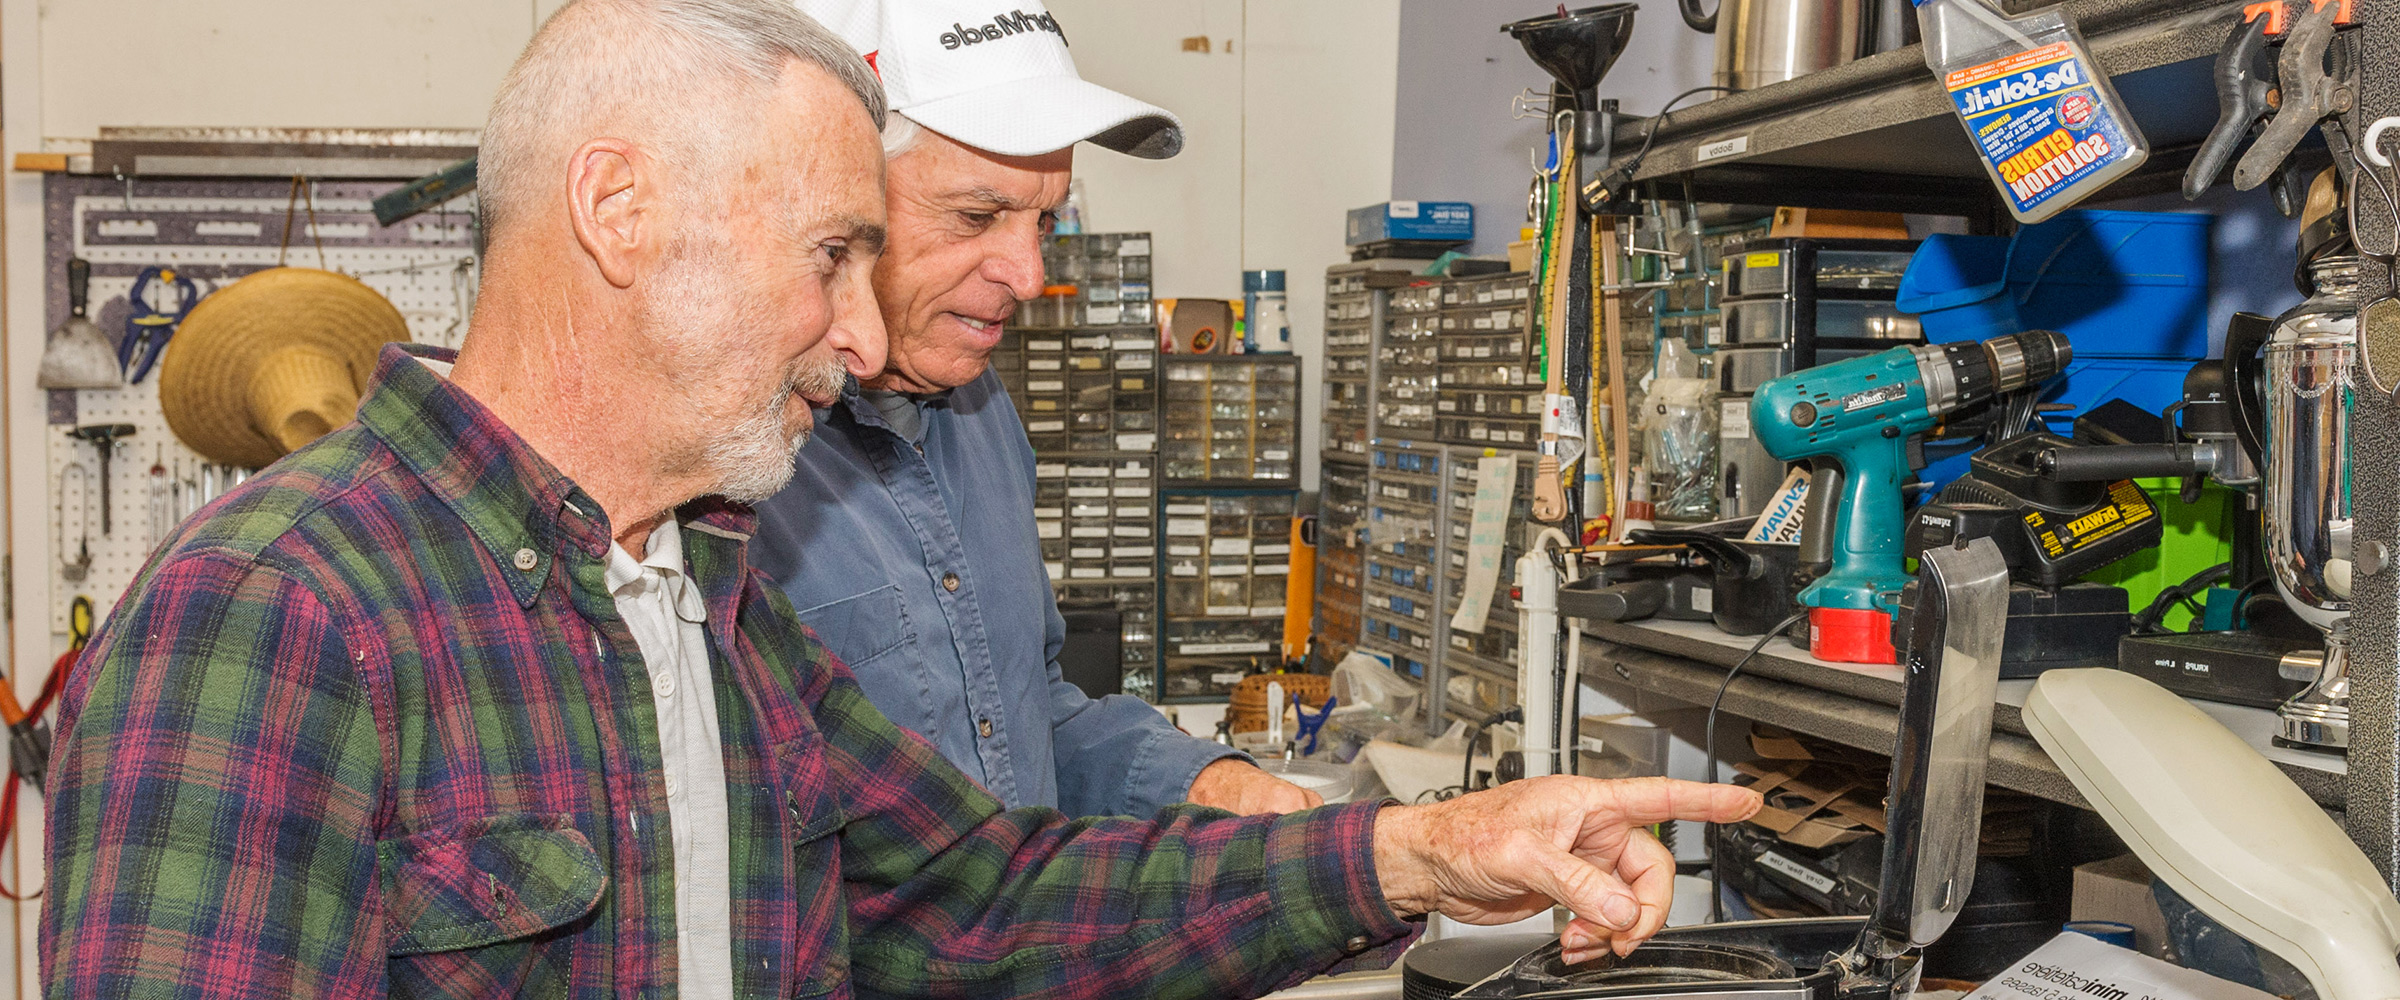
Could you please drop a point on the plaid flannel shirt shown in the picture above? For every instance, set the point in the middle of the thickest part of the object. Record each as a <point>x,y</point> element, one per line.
<point>371,725</point>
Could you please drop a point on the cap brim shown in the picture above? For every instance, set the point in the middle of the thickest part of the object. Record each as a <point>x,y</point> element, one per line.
<point>1036,115</point>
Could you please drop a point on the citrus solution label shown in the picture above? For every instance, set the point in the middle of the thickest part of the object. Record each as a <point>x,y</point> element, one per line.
<point>2039,121</point>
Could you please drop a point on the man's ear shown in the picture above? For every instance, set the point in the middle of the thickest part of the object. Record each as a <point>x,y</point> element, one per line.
<point>612,189</point>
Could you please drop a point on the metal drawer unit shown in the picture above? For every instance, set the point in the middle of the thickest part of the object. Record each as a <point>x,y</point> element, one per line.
<point>1097,520</point>
<point>1489,656</point>
<point>1791,304</point>
<point>1227,555</point>
<point>1230,419</point>
<point>1094,279</point>
<point>1407,362</point>
<point>1355,300</point>
<point>1086,391</point>
<point>1490,382</point>
<point>1341,558</point>
<point>1402,588</point>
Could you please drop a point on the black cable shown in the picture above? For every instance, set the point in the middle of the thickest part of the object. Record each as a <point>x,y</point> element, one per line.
<point>2148,622</point>
<point>1466,780</point>
<point>1716,887</point>
<point>1659,121</point>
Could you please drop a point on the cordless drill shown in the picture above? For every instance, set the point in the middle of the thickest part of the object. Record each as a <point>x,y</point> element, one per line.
<point>1861,415</point>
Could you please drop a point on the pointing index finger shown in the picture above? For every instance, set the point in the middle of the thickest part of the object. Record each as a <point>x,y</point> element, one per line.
<point>1644,801</point>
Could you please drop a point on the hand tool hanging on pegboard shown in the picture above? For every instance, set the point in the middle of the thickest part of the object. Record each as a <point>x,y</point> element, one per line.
<point>78,355</point>
<point>152,323</point>
<point>103,439</point>
<point>74,569</point>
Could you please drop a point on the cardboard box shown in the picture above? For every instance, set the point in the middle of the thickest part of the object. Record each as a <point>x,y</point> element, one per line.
<point>1411,220</point>
<point>2118,889</point>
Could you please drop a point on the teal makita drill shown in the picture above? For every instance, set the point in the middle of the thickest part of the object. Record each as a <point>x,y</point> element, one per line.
<point>1860,415</point>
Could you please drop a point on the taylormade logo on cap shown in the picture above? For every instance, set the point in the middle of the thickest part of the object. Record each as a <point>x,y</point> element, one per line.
<point>1001,26</point>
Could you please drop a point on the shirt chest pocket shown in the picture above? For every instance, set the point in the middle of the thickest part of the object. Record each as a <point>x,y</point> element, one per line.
<point>863,628</point>
<point>815,814</point>
<point>464,905</point>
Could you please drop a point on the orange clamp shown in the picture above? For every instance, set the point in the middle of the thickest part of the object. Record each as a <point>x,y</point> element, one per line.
<point>2341,14</point>
<point>2273,9</point>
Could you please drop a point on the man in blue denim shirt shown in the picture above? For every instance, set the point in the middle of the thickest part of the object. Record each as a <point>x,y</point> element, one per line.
<point>906,538</point>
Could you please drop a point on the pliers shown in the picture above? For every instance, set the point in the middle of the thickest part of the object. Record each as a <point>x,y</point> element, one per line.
<point>148,328</point>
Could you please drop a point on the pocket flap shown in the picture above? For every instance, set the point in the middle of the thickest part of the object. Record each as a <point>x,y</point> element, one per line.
<point>862,626</point>
<point>487,881</point>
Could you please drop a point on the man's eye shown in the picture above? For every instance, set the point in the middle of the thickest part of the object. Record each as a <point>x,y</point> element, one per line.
<point>1049,223</point>
<point>835,253</point>
<point>979,220</point>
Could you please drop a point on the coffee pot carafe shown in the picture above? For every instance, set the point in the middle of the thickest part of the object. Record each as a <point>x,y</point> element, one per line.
<point>2292,391</point>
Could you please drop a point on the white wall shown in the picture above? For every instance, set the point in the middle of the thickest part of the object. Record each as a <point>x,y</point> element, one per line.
<point>1284,132</point>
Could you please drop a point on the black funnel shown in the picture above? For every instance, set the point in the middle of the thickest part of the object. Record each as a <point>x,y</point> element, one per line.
<point>1576,48</point>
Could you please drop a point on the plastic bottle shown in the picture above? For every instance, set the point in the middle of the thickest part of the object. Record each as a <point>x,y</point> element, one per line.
<point>1267,324</point>
<point>2045,121</point>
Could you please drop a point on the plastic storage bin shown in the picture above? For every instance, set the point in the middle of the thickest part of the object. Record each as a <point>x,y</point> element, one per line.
<point>2118,284</point>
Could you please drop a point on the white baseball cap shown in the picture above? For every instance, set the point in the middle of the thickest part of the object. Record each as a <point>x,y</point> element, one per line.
<point>998,80</point>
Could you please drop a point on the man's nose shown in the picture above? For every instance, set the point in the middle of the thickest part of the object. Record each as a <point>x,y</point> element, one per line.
<point>1015,261</point>
<point>858,328</point>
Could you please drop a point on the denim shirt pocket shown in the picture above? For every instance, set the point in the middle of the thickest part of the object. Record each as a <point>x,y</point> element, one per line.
<point>464,903</point>
<point>863,627</point>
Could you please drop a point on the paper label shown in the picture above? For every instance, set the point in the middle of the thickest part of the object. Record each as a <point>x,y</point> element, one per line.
<point>1265,610</point>
<point>1780,522</point>
<point>2076,967</point>
<point>1733,418</point>
<point>1721,149</point>
<point>1797,871</point>
<point>2037,119</point>
<point>1704,600</point>
<point>1495,487</point>
<point>1762,260</point>
<point>1221,649</point>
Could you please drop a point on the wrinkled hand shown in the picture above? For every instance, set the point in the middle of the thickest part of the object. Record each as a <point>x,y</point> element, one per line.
<point>1236,785</point>
<point>1503,855</point>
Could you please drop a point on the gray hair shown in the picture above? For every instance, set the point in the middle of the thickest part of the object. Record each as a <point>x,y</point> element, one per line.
<point>681,75</point>
<point>900,134</point>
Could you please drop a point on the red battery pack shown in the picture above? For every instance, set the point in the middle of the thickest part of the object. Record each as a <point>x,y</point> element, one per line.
<point>1849,635</point>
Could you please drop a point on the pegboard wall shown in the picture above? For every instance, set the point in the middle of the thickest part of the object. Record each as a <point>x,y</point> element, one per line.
<point>215,231</point>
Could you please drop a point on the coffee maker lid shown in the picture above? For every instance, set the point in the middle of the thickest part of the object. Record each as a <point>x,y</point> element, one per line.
<point>2224,827</point>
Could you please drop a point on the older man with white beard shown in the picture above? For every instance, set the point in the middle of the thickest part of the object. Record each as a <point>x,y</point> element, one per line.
<point>407,715</point>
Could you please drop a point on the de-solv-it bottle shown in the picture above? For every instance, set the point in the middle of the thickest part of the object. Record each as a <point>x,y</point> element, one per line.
<point>2043,118</point>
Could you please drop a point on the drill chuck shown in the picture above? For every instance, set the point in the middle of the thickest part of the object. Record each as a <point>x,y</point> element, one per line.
<point>1968,372</point>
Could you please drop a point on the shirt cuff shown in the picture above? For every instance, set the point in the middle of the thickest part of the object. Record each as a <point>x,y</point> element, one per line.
<point>1321,878</point>
<point>1165,769</point>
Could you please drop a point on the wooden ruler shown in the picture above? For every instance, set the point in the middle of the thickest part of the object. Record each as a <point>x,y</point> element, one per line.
<point>1549,495</point>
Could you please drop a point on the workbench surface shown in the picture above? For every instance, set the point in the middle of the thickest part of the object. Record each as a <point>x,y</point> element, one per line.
<point>1858,704</point>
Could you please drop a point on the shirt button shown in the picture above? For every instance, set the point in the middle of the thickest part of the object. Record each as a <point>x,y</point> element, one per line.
<point>983,727</point>
<point>526,560</point>
<point>671,783</point>
<point>950,582</point>
<point>663,683</point>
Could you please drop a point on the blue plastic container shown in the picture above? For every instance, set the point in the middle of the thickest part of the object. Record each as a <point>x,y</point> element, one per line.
<point>2118,284</point>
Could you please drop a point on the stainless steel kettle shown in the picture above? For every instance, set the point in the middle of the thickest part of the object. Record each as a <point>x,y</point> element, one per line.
<point>1769,41</point>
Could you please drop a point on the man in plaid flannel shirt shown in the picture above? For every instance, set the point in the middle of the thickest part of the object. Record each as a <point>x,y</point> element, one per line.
<point>392,718</point>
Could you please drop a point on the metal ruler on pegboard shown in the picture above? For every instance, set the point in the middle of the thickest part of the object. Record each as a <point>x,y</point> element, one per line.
<point>215,231</point>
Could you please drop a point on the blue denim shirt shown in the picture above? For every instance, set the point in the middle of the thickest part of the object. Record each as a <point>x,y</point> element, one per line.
<point>863,541</point>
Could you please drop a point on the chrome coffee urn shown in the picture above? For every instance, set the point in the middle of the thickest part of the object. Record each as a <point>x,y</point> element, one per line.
<point>2293,400</point>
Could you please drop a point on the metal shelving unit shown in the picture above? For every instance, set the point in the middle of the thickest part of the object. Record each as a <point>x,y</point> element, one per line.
<point>1878,133</point>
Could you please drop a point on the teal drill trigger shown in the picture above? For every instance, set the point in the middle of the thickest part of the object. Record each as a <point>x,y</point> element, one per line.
<point>1862,415</point>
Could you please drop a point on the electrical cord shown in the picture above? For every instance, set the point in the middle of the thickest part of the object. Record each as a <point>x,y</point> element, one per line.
<point>1466,778</point>
<point>1716,891</point>
<point>1659,121</point>
<point>2149,621</point>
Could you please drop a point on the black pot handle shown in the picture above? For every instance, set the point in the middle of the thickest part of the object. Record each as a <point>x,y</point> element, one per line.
<point>2244,377</point>
<point>1717,548</point>
<point>1705,24</point>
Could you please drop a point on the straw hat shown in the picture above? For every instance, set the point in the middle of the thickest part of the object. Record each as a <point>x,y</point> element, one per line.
<point>272,362</point>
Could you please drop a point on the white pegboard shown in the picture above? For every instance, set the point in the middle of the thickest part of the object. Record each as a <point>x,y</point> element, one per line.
<point>215,231</point>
